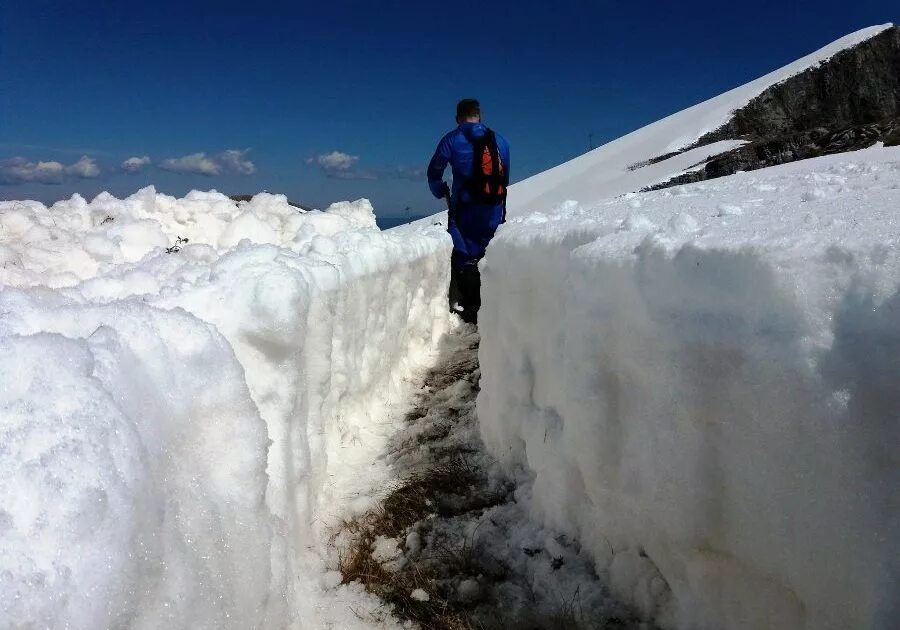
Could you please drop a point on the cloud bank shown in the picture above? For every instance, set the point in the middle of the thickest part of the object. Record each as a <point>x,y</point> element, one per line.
<point>19,170</point>
<point>340,165</point>
<point>231,161</point>
<point>135,165</point>
<point>196,163</point>
<point>236,161</point>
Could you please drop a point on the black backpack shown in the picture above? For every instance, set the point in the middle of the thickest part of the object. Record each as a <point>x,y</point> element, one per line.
<point>488,181</point>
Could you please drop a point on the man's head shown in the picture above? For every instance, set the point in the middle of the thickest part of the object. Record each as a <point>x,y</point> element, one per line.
<point>468,110</point>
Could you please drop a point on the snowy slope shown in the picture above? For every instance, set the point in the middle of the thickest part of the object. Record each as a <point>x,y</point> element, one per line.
<point>700,384</point>
<point>174,425</point>
<point>604,172</point>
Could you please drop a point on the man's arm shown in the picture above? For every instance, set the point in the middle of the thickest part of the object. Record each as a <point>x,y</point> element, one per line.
<point>436,167</point>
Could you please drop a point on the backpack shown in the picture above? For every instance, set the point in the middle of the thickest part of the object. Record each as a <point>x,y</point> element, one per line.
<point>488,181</point>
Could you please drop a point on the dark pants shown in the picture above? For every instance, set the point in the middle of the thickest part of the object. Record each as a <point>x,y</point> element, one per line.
<point>465,289</point>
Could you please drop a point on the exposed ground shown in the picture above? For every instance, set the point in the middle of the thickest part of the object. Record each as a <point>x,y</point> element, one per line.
<point>449,545</point>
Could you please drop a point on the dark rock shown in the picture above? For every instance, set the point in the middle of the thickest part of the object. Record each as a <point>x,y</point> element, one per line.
<point>249,197</point>
<point>893,138</point>
<point>857,86</point>
<point>847,103</point>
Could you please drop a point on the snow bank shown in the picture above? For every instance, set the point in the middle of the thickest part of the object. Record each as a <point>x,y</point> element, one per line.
<point>701,384</point>
<point>182,378</point>
<point>614,168</point>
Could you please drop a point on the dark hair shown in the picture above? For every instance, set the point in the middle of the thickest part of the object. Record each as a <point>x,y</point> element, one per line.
<point>468,108</point>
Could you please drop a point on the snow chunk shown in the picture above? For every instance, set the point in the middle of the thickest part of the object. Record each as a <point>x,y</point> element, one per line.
<point>728,210</point>
<point>387,552</point>
<point>637,222</point>
<point>813,194</point>
<point>385,549</point>
<point>420,595</point>
<point>413,544</point>
<point>683,223</point>
<point>359,214</point>
<point>468,590</point>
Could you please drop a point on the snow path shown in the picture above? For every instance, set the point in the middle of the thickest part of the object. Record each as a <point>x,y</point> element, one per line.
<point>449,544</point>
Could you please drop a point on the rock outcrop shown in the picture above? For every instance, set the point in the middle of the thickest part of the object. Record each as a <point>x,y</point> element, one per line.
<point>847,103</point>
<point>290,203</point>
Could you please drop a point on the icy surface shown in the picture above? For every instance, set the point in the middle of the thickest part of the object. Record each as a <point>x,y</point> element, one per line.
<point>186,385</point>
<point>701,384</point>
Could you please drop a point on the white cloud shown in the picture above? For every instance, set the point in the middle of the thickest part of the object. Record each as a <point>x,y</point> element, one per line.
<point>340,165</point>
<point>230,161</point>
<point>335,161</point>
<point>85,168</point>
<point>18,170</point>
<point>196,163</point>
<point>236,161</point>
<point>135,164</point>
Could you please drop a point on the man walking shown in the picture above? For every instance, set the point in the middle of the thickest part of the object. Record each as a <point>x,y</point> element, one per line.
<point>479,159</point>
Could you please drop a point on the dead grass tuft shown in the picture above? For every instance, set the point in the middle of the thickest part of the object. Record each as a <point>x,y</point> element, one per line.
<point>406,503</point>
<point>396,588</point>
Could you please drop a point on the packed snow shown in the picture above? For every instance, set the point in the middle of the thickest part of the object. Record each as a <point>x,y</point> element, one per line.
<point>615,168</point>
<point>700,384</point>
<point>186,385</point>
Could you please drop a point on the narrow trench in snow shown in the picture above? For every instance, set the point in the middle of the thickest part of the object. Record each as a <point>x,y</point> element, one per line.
<point>449,546</point>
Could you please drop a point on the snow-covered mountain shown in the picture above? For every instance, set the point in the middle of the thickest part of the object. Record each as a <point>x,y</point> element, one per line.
<point>689,140</point>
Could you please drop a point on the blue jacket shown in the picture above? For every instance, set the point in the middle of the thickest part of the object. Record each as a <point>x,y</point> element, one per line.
<point>471,225</point>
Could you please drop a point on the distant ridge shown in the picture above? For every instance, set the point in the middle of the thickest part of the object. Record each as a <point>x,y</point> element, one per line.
<point>249,197</point>
<point>386,223</point>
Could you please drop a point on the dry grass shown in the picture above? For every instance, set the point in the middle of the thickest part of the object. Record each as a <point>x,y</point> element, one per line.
<point>444,489</point>
<point>456,368</point>
<point>406,503</point>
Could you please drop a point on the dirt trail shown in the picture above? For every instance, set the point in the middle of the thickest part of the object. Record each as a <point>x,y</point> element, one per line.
<point>449,545</point>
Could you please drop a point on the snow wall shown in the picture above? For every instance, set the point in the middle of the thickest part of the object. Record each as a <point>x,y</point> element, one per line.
<point>702,385</point>
<point>169,420</point>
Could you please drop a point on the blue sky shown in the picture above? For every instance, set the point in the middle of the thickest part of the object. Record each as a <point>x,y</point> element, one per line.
<point>338,100</point>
